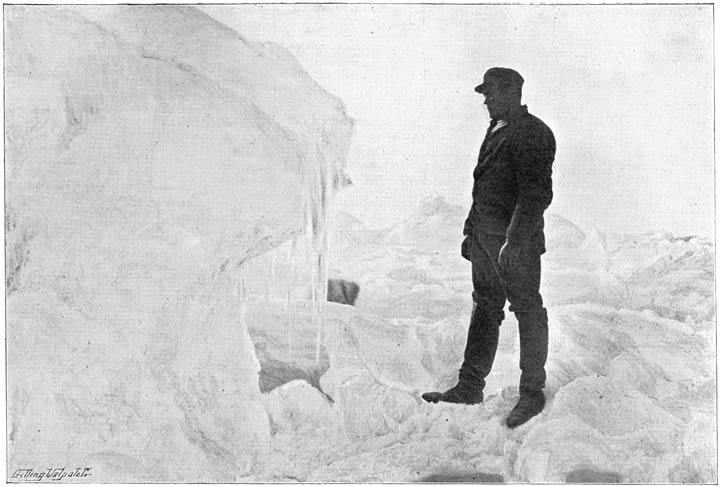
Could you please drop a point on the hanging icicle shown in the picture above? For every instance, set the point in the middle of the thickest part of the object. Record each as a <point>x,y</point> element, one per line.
<point>320,213</point>
<point>273,283</point>
<point>241,295</point>
<point>290,281</point>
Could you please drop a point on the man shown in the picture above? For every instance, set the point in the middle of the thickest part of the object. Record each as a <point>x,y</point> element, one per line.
<point>504,241</point>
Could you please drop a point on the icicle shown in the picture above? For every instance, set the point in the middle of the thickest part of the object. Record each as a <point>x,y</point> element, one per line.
<point>273,295</point>
<point>313,224</point>
<point>310,234</point>
<point>291,278</point>
<point>241,293</point>
<point>292,249</point>
<point>266,277</point>
<point>319,212</point>
<point>316,224</point>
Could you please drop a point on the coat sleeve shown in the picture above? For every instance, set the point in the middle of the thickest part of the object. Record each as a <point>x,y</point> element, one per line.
<point>533,155</point>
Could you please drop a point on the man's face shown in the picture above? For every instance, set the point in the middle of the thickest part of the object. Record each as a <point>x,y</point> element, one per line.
<point>498,102</point>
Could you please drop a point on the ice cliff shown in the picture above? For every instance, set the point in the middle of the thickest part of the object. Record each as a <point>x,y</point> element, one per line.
<point>150,152</point>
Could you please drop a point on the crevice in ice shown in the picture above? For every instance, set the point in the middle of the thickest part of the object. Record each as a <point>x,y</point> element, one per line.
<point>342,291</point>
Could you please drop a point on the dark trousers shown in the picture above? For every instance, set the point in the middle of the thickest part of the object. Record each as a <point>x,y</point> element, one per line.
<point>492,285</point>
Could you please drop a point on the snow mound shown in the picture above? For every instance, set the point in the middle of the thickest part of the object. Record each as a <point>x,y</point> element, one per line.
<point>612,408</point>
<point>434,224</point>
<point>561,233</point>
<point>600,425</point>
<point>631,384</point>
<point>679,287</point>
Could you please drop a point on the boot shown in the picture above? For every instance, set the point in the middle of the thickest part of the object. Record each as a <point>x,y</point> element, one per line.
<point>480,351</point>
<point>529,405</point>
<point>462,393</point>
<point>533,328</point>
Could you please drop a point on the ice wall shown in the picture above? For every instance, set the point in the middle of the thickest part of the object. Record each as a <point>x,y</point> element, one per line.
<point>150,152</point>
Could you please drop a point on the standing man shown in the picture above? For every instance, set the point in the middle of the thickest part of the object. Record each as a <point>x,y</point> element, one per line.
<point>504,241</point>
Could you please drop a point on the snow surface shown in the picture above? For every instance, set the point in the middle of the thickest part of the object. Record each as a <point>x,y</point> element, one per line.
<point>160,171</point>
<point>631,375</point>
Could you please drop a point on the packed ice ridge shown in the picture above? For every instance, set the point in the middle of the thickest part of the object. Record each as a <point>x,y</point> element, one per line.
<point>168,186</point>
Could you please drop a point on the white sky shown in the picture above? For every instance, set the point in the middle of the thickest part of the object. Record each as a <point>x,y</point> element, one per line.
<point>627,90</point>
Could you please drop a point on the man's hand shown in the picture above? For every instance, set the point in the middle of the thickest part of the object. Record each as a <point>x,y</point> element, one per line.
<point>509,258</point>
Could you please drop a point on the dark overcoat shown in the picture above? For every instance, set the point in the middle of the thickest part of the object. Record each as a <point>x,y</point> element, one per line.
<point>513,182</point>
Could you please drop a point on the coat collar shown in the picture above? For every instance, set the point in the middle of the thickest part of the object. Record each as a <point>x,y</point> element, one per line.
<point>513,115</point>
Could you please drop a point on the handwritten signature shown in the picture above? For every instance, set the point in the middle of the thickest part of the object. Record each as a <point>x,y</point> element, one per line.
<point>56,474</point>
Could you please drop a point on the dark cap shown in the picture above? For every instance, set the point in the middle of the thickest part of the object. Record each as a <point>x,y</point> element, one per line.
<point>504,77</point>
